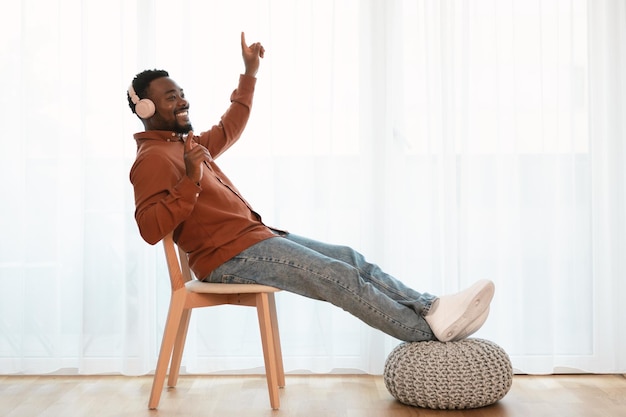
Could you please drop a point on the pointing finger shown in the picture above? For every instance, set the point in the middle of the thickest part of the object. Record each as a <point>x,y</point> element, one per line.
<point>189,144</point>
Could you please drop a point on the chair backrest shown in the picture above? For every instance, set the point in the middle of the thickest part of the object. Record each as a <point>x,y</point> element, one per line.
<point>177,264</point>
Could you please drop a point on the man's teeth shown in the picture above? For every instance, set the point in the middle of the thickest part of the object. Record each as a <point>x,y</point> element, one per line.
<point>182,113</point>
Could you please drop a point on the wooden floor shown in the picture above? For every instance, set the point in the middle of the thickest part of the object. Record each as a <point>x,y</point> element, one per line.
<point>304,396</point>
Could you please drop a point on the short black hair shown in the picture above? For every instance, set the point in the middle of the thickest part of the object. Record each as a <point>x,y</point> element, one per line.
<point>141,82</point>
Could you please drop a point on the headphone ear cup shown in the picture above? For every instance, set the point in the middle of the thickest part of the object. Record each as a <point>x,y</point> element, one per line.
<point>145,108</point>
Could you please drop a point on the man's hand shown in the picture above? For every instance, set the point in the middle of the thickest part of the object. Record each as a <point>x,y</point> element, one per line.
<point>251,55</point>
<point>195,156</point>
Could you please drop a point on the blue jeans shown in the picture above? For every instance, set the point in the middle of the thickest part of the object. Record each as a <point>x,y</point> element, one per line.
<point>337,274</point>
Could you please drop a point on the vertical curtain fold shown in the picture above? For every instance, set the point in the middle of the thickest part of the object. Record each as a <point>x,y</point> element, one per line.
<point>607,91</point>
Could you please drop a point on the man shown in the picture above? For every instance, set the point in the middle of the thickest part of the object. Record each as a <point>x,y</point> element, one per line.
<point>179,187</point>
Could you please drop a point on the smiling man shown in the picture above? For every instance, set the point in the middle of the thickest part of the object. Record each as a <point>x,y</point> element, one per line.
<point>179,188</point>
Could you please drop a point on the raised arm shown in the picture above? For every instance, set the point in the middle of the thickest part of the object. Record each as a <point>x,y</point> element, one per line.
<point>223,135</point>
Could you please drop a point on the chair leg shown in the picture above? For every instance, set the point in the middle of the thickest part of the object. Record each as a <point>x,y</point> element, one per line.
<point>177,304</point>
<point>179,347</point>
<point>280,369</point>
<point>269,349</point>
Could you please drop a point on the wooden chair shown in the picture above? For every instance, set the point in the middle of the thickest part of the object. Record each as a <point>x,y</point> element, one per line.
<point>189,293</point>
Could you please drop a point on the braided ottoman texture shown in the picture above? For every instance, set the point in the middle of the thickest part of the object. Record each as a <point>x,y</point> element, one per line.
<point>469,373</point>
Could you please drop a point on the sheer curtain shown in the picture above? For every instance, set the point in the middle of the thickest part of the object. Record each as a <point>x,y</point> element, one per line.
<point>446,140</point>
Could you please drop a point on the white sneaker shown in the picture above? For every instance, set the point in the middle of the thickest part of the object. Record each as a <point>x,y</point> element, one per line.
<point>454,317</point>
<point>473,327</point>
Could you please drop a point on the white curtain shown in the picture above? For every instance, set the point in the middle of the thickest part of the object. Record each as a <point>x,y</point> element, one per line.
<point>447,140</point>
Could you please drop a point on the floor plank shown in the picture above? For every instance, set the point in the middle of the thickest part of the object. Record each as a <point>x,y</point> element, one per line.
<point>304,396</point>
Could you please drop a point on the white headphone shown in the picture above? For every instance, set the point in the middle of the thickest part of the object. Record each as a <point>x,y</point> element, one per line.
<point>144,107</point>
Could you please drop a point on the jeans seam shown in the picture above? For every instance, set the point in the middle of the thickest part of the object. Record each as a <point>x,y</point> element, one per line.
<point>384,285</point>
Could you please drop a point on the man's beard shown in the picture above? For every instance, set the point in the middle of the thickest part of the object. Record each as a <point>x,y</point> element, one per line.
<point>183,129</point>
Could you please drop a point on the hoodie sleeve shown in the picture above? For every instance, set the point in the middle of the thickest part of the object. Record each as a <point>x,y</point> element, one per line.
<point>162,201</point>
<point>232,123</point>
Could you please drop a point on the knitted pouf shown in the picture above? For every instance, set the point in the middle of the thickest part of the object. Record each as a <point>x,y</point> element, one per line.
<point>469,373</point>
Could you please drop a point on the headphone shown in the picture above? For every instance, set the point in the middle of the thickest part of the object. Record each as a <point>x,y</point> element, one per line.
<point>144,107</point>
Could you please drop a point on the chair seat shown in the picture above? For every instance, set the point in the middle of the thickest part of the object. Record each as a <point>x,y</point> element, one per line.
<point>197,286</point>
